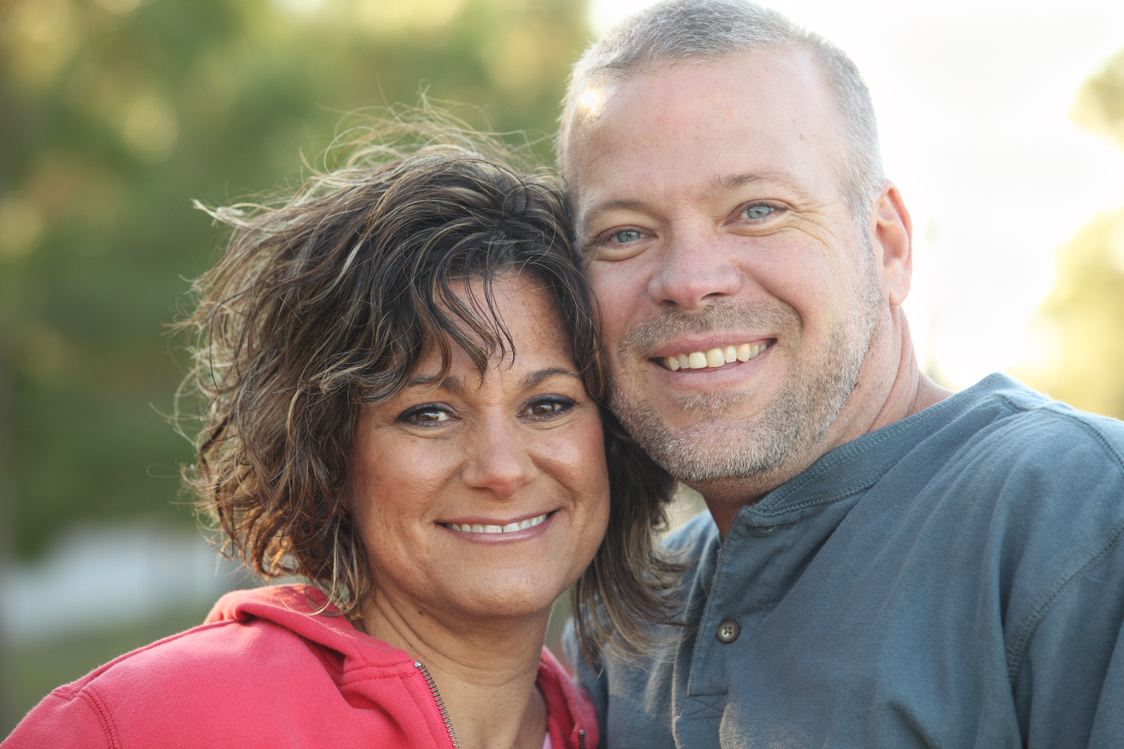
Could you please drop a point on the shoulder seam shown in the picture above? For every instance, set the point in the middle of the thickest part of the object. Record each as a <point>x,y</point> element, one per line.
<point>1016,649</point>
<point>1074,417</point>
<point>105,717</point>
<point>1020,643</point>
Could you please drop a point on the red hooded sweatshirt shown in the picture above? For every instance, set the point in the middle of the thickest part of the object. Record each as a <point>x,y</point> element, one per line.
<point>264,671</point>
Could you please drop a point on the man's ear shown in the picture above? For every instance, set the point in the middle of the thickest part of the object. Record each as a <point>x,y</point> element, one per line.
<point>892,233</point>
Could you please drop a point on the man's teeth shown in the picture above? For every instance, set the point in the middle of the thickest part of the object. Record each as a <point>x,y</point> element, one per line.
<point>715,357</point>
<point>522,525</point>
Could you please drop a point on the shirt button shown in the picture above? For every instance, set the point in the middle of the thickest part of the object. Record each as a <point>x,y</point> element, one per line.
<point>728,631</point>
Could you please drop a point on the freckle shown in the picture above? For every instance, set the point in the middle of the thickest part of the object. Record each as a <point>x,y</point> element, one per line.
<point>801,136</point>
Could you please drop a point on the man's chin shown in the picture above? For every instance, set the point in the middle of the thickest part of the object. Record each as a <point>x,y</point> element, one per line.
<point>711,448</point>
<point>696,413</point>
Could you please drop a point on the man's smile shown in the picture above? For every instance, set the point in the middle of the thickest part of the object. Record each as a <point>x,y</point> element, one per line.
<point>715,357</point>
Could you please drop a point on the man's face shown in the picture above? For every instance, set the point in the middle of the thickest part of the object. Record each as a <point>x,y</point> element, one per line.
<point>740,296</point>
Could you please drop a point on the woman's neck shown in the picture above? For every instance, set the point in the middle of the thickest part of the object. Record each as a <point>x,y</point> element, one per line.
<point>484,671</point>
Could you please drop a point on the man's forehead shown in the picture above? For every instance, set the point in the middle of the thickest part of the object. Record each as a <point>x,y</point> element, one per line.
<point>758,100</point>
<point>777,79</point>
<point>771,57</point>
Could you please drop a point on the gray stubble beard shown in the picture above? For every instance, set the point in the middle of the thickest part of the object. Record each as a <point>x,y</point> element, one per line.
<point>792,424</point>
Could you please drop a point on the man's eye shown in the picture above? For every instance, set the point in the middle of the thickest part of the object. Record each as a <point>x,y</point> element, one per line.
<point>758,211</point>
<point>624,236</point>
<point>618,244</point>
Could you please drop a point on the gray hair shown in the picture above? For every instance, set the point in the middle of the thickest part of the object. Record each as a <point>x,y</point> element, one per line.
<point>678,31</point>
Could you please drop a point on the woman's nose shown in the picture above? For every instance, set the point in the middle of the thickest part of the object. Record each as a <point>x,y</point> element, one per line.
<point>499,459</point>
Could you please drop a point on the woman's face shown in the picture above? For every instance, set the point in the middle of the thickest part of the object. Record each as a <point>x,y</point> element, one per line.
<point>483,497</point>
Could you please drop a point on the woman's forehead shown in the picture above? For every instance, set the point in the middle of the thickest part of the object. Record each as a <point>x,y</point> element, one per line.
<point>522,324</point>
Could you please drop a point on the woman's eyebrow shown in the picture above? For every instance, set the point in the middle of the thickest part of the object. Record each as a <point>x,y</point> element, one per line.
<point>536,378</point>
<point>455,384</point>
<point>452,382</point>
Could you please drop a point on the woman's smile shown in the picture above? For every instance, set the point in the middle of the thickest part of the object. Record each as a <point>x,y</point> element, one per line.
<point>498,527</point>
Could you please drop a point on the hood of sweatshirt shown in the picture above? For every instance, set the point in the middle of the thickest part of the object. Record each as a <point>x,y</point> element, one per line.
<point>352,655</point>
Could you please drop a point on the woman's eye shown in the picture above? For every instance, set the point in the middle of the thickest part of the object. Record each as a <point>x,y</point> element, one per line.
<point>425,414</point>
<point>552,405</point>
<point>758,211</point>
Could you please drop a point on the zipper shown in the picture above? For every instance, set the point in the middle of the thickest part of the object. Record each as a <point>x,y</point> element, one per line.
<point>441,703</point>
<point>581,739</point>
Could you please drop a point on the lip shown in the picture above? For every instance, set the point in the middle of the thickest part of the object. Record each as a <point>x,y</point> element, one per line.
<point>687,345</point>
<point>499,538</point>
<point>704,345</point>
<point>709,377</point>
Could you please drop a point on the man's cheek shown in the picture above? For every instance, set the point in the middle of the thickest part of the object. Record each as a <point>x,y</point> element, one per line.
<point>616,301</point>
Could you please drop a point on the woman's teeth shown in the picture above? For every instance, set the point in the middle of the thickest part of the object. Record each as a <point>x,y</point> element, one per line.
<point>715,357</point>
<point>522,525</point>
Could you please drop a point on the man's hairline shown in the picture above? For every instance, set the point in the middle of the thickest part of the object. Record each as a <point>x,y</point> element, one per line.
<point>616,75</point>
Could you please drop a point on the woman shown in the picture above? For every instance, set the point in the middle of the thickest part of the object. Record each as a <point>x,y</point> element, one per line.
<point>400,389</point>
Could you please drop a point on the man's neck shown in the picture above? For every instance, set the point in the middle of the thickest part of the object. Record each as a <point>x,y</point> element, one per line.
<point>911,391</point>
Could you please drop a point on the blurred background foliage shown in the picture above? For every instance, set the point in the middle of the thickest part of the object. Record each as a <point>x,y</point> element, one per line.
<point>114,114</point>
<point>1081,323</point>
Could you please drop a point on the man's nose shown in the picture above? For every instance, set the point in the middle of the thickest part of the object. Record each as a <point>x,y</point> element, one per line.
<point>694,271</point>
<point>499,458</point>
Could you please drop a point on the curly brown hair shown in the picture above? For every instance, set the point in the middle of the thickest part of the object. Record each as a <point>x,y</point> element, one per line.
<point>328,301</point>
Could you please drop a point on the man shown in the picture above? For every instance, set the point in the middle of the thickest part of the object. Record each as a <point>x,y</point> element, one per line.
<point>884,564</point>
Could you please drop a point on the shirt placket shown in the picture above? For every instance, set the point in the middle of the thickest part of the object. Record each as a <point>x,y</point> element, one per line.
<point>745,587</point>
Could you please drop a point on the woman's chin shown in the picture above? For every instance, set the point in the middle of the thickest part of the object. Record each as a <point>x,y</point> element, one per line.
<point>509,597</point>
<point>458,597</point>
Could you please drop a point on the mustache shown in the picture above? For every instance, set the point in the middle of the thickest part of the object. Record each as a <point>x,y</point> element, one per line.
<point>716,316</point>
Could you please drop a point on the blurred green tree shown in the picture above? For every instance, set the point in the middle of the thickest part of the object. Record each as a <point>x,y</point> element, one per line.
<point>1082,320</point>
<point>114,114</point>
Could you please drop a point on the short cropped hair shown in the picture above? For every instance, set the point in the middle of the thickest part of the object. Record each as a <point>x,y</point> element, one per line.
<point>328,301</point>
<point>675,32</point>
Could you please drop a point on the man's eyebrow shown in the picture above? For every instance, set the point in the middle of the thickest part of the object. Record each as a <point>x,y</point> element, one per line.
<point>723,183</point>
<point>618,204</point>
<point>718,184</point>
